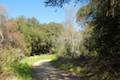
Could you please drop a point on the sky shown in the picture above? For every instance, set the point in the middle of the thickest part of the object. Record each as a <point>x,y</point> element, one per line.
<point>35,8</point>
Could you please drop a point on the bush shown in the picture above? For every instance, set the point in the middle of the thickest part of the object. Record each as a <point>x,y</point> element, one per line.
<point>12,37</point>
<point>9,56</point>
<point>41,40</point>
<point>70,44</point>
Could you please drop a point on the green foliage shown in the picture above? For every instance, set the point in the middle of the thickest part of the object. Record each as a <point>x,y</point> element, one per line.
<point>39,38</point>
<point>9,57</point>
<point>66,64</point>
<point>104,40</point>
<point>82,12</point>
<point>22,37</point>
<point>32,59</point>
<point>42,39</point>
<point>23,69</point>
<point>103,17</point>
<point>104,23</point>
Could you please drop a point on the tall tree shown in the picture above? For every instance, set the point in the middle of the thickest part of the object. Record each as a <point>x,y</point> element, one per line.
<point>3,15</point>
<point>104,16</point>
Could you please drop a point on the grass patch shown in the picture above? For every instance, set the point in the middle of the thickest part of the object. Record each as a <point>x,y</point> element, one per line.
<point>32,59</point>
<point>23,69</point>
<point>67,65</point>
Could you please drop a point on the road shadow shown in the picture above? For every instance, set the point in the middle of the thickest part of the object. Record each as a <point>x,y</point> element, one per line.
<point>44,71</point>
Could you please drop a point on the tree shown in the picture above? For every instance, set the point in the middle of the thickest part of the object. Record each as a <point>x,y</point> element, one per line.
<point>60,3</point>
<point>2,21</point>
<point>33,22</point>
<point>43,38</point>
<point>106,34</point>
<point>3,15</point>
<point>104,17</point>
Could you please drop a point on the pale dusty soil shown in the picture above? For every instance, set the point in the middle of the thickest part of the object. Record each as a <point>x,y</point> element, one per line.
<point>43,70</point>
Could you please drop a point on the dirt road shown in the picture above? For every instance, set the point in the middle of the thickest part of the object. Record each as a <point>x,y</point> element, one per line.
<point>43,70</point>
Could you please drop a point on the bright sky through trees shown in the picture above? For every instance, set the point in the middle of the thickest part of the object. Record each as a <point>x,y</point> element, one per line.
<point>35,8</point>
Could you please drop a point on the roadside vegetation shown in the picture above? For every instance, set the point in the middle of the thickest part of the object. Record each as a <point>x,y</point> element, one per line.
<point>23,70</point>
<point>99,54</point>
<point>20,40</point>
<point>93,53</point>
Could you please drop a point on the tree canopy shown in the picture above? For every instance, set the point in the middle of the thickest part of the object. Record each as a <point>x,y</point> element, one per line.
<point>103,17</point>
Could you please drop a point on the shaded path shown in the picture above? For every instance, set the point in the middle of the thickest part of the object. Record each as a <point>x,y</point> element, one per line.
<point>44,71</point>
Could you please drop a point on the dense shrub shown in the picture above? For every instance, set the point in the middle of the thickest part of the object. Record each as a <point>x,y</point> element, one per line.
<point>70,44</point>
<point>39,42</point>
<point>9,56</point>
<point>40,39</point>
<point>12,37</point>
